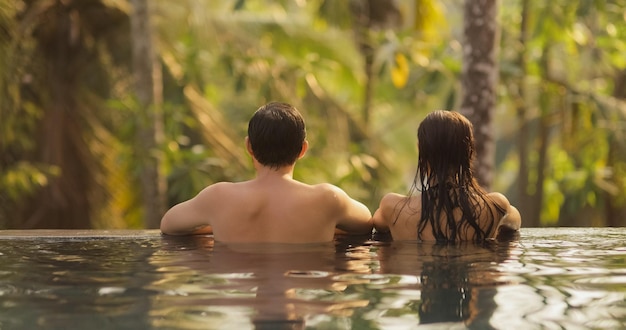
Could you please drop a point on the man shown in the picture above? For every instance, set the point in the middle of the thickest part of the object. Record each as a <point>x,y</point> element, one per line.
<point>272,207</point>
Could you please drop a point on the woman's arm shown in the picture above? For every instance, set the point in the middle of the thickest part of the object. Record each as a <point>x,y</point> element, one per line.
<point>382,216</point>
<point>380,223</point>
<point>512,220</point>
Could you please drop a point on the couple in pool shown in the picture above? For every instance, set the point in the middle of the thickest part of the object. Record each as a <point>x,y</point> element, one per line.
<point>445,202</point>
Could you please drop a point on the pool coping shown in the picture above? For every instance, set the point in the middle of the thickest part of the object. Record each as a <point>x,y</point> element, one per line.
<point>6,234</point>
<point>78,233</point>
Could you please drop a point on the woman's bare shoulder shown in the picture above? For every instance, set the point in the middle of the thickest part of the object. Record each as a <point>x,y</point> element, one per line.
<point>393,203</point>
<point>394,198</point>
<point>499,199</point>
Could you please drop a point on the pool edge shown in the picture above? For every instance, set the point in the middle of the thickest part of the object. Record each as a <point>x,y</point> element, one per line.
<point>78,233</point>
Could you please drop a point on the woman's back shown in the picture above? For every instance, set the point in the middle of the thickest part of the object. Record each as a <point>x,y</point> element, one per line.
<point>402,216</point>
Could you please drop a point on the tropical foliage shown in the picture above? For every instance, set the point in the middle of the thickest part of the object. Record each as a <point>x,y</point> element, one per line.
<point>363,73</point>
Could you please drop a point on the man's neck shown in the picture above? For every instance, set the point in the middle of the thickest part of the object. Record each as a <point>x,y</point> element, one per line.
<point>266,172</point>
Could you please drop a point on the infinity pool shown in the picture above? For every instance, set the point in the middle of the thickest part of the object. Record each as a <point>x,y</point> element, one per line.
<point>554,278</point>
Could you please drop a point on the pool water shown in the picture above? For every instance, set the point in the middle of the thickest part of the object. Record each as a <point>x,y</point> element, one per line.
<point>547,278</point>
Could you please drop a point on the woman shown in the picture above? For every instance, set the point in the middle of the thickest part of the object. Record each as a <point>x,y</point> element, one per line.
<point>445,202</point>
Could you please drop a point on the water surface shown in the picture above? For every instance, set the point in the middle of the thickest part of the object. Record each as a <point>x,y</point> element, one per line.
<point>573,278</point>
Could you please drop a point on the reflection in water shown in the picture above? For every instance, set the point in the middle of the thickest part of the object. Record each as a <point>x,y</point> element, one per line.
<point>353,284</point>
<point>76,283</point>
<point>453,290</point>
<point>571,278</point>
<point>456,282</point>
<point>549,278</point>
<point>269,285</point>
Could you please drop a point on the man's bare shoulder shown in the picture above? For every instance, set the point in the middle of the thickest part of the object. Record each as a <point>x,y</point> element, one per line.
<point>330,191</point>
<point>326,187</point>
<point>192,216</point>
<point>330,195</point>
<point>216,189</point>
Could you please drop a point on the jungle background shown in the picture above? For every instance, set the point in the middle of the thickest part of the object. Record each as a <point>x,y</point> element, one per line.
<point>113,110</point>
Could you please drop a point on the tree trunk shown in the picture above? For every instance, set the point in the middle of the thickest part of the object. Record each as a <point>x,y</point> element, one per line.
<point>147,88</point>
<point>533,218</point>
<point>616,209</point>
<point>363,23</point>
<point>480,75</point>
<point>368,16</point>
<point>535,199</point>
<point>64,202</point>
<point>522,119</point>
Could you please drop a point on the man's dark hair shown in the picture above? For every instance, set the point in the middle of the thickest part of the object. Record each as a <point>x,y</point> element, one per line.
<point>276,133</point>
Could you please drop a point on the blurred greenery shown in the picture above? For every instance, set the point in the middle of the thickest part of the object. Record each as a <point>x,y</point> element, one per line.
<point>68,112</point>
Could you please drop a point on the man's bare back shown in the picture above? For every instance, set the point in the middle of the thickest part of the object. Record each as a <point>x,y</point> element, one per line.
<point>272,207</point>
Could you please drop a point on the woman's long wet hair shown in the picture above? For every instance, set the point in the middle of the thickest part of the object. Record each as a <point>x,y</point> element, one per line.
<point>444,177</point>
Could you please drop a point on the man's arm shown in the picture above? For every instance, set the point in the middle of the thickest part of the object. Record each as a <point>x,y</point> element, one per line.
<point>353,216</point>
<point>189,217</point>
